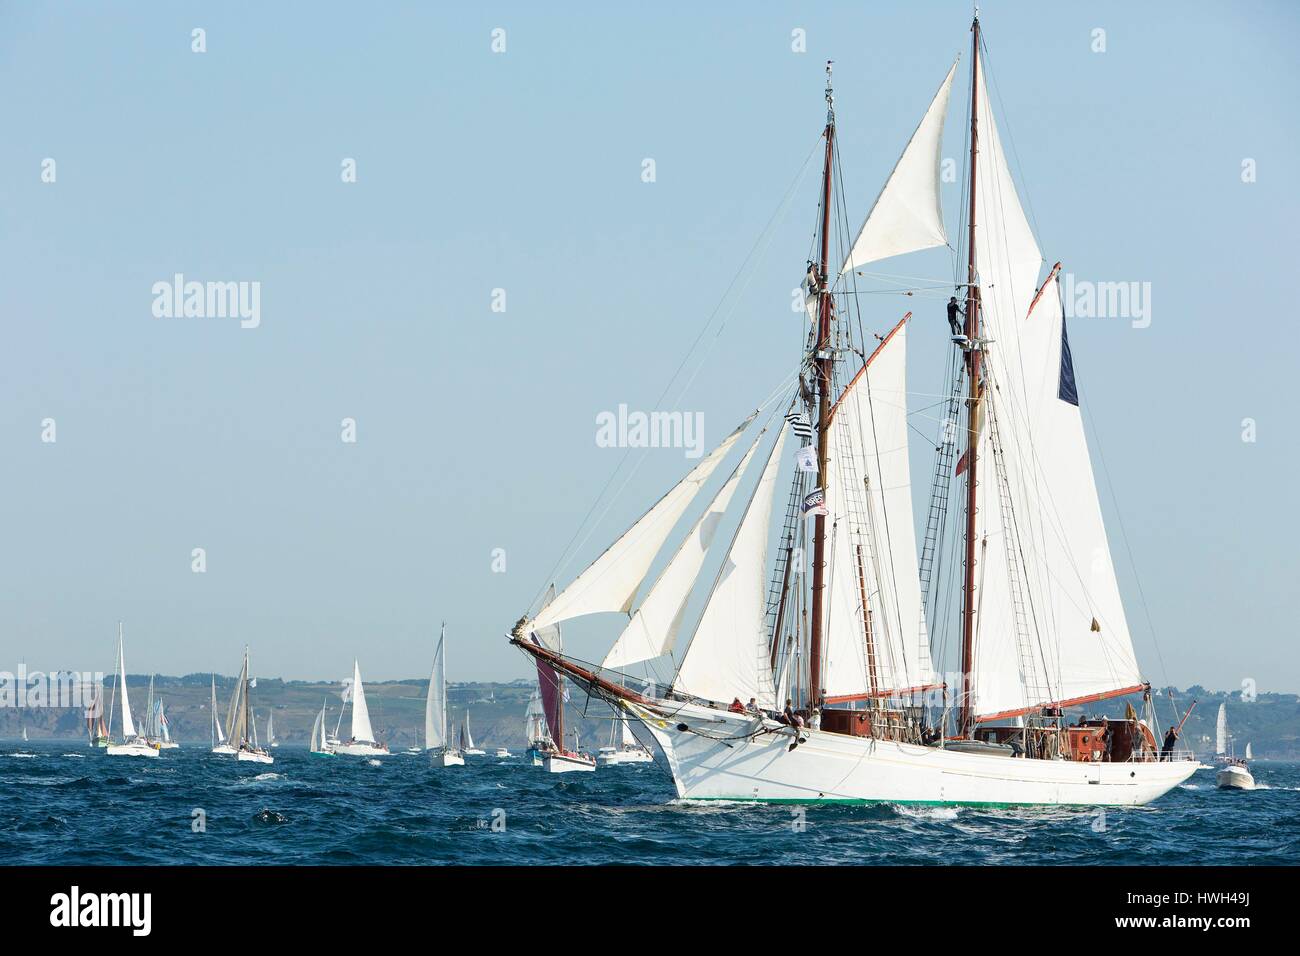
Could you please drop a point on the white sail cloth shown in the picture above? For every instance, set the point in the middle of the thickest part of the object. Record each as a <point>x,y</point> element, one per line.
<point>906,216</point>
<point>128,723</point>
<point>611,581</point>
<point>361,729</point>
<point>871,541</point>
<point>728,656</point>
<point>652,632</point>
<point>1070,639</point>
<point>435,702</point>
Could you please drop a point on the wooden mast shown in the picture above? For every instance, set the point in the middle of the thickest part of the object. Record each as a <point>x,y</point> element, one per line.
<point>966,724</point>
<point>823,363</point>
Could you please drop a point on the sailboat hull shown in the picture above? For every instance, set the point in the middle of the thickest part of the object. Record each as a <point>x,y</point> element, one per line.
<point>224,749</point>
<point>837,768</point>
<point>131,750</point>
<point>448,759</point>
<point>253,756</point>
<point>567,763</point>
<point>361,750</point>
<point>615,758</point>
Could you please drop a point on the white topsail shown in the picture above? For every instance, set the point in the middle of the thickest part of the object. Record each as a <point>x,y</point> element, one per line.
<point>652,632</point>
<point>1221,731</point>
<point>728,656</point>
<point>871,541</point>
<point>611,581</point>
<point>907,216</point>
<point>1070,639</point>
<point>435,703</point>
<point>361,729</point>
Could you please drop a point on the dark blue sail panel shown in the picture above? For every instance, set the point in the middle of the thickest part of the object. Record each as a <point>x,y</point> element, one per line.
<point>1067,391</point>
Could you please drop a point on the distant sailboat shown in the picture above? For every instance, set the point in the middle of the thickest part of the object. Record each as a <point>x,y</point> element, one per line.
<point>164,740</point>
<point>1221,733</point>
<point>320,747</point>
<point>554,758</point>
<point>436,738</point>
<point>1249,755</point>
<point>1234,774</point>
<point>623,747</point>
<point>219,744</point>
<point>241,727</point>
<point>270,731</point>
<point>156,730</point>
<point>362,743</point>
<point>96,729</point>
<point>539,739</point>
<point>132,745</point>
<point>467,740</point>
<point>24,733</point>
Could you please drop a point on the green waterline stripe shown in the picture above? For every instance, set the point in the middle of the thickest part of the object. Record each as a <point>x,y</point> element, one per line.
<point>862,802</point>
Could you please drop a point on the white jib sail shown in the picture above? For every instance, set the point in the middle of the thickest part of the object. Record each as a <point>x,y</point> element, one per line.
<point>361,730</point>
<point>128,724</point>
<point>1071,638</point>
<point>728,656</point>
<point>466,738</point>
<point>219,734</point>
<point>906,216</point>
<point>652,632</point>
<point>611,581</point>
<point>435,704</point>
<point>1221,731</point>
<point>318,733</point>
<point>871,541</point>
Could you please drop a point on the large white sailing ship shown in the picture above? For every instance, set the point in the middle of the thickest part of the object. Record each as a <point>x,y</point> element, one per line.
<point>1021,577</point>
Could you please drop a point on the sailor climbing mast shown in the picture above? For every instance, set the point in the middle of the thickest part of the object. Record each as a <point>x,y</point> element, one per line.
<point>823,363</point>
<point>966,723</point>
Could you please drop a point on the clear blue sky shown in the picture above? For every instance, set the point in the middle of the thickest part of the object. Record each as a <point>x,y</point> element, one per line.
<point>522,171</point>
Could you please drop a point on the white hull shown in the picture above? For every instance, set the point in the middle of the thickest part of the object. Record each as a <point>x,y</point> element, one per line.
<point>1235,778</point>
<point>615,758</point>
<point>504,753</point>
<point>448,759</point>
<point>131,750</point>
<point>253,757</point>
<point>474,752</point>
<point>830,768</point>
<point>224,749</point>
<point>168,745</point>
<point>566,763</point>
<point>361,750</point>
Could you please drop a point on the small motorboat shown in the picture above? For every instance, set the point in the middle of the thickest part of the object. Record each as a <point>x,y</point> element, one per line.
<point>1235,776</point>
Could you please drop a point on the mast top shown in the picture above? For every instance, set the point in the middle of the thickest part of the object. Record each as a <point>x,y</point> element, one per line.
<point>830,95</point>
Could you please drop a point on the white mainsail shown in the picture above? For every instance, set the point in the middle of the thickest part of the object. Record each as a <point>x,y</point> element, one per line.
<point>611,581</point>
<point>1221,731</point>
<point>128,724</point>
<point>318,732</point>
<point>907,215</point>
<point>361,729</point>
<point>1249,754</point>
<point>466,738</point>
<point>237,721</point>
<point>728,655</point>
<point>871,541</point>
<point>652,632</point>
<point>1050,624</point>
<point>435,704</point>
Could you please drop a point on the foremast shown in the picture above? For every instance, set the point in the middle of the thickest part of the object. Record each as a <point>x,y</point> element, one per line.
<point>823,362</point>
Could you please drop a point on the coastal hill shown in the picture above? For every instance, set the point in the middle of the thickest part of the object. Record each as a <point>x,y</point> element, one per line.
<point>1270,723</point>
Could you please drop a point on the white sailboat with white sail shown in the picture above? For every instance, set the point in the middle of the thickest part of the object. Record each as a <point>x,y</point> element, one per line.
<point>467,746</point>
<point>219,743</point>
<point>241,723</point>
<point>319,745</point>
<point>1234,774</point>
<point>362,742</point>
<point>1024,561</point>
<point>535,732</point>
<point>270,731</point>
<point>436,738</point>
<point>133,744</point>
<point>623,747</point>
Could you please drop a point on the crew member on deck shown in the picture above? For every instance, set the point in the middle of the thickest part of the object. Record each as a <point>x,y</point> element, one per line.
<point>1167,751</point>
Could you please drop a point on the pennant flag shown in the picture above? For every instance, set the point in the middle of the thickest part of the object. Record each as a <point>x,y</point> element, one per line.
<point>253,683</point>
<point>1095,626</point>
<point>1067,390</point>
<point>961,463</point>
<point>806,458</point>
<point>814,503</point>
<point>799,422</point>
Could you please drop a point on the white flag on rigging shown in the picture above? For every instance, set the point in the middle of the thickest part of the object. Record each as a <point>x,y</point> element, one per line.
<point>806,458</point>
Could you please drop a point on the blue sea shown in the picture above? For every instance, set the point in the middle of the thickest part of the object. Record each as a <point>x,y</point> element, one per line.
<point>62,803</point>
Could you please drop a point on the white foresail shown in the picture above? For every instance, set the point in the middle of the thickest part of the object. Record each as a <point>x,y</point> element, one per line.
<point>435,704</point>
<point>906,216</point>
<point>128,724</point>
<point>1069,639</point>
<point>611,581</point>
<point>318,733</point>
<point>871,541</point>
<point>466,738</point>
<point>220,735</point>
<point>652,632</point>
<point>728,656</point>
<point>1221,731</point>
<point>361,729</point>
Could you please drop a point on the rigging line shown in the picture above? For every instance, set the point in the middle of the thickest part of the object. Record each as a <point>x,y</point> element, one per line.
<point>565,555</point>
<point>1119,519</point>
<point>1006,119</point>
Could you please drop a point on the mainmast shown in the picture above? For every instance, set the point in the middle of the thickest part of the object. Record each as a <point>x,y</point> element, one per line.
<point>966,723</point>
<point>823,363</point>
